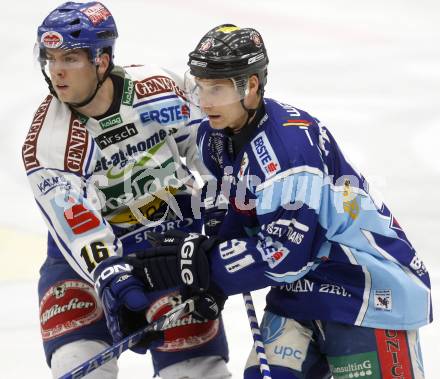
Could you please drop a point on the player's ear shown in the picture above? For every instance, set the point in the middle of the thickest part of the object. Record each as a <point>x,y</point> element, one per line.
<point>104,62</point>
<point>253,84</point>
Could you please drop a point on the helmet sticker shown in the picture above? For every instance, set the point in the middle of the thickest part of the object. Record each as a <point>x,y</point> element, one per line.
<point>52,39</point>
<point>96,13</point>
<point>256,39</point>
<point>206,45</point>
<point>198,63</point>
<point>257,58</point>
<point>227,29</point>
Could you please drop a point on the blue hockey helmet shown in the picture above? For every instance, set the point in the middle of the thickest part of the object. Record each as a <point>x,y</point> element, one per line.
<point>79,26</point>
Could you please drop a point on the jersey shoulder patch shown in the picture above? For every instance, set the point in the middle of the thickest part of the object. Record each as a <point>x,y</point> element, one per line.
<point>265,155</point>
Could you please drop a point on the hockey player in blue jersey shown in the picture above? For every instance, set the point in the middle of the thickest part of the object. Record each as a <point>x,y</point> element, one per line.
<point>348,292</point>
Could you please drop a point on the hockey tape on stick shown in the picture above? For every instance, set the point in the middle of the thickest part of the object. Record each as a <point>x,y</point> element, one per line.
<point>256,335</point>
<point>114,351</point>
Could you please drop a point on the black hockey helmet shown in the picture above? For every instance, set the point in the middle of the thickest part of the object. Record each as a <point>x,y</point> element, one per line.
<point>228,51</point>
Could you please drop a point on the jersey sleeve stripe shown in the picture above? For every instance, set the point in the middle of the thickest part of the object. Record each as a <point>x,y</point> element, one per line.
<point>181,138</point>
<point>155,100</point>
<point>289,172</point>
<point>196,121</point>
<point>90,155</point>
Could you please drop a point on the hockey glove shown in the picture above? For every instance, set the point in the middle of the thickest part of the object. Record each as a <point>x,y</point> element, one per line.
<point>208,304</point>
<point>177,259</point>
<point>124,300</point>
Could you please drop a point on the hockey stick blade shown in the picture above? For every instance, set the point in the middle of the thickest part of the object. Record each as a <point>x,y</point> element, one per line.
<point>114,351</point>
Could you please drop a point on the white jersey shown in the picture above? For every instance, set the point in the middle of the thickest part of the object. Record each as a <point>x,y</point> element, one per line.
<point>93,177</point>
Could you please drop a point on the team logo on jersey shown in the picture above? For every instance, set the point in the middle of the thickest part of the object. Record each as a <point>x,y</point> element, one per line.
<point>48,184</point>
<point>29,149</point>
<point>80,219</point>
<point>96,13</point>
<point>74,217</point>
<point>186,333</point>
<point>349,201</point>
<point>110,121</point>
<point>116,135</point>
<point>395,354</point>
<point>273,252</point>
<point>266,157</point>
<point>169,113</point>
<point>128,94</point>
<point>418,266</point>
<point>142,236</point>
<point>156,85</point>
<point>52,39</point>
<point>364,365</point>
<point>272,327</point>
<point>67,306</point>
<point>383,300</point>
<point>76,147</point>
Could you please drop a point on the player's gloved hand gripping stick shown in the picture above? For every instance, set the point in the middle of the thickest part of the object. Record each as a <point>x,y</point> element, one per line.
<point>180,258</point>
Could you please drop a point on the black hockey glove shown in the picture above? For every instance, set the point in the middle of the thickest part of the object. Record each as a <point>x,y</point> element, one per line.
<point>208,304</point>
<point>177,259</point>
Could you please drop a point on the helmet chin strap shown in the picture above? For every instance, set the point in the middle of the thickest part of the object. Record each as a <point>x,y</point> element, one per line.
<point>250,111</point>
<point>91,97</point>
<point>49,83</point>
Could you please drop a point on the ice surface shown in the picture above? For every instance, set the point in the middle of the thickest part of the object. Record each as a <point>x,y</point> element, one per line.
<point>369,70</point>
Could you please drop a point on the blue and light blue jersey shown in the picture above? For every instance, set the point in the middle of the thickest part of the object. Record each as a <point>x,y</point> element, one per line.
<point>301,219</point>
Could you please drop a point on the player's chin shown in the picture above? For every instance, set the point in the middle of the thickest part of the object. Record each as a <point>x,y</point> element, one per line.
<point>217,122</point>
<point>63,96</point>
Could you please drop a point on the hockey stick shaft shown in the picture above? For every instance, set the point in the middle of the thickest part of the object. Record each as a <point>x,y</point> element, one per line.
<point>114,351</point>
<point>256,335</point>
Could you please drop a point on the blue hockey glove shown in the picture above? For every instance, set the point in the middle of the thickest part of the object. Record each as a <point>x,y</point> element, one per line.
<point>177,259</point>
<point>124,300</point>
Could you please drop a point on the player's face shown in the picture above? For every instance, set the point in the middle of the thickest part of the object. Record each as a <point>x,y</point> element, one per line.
<point>220,100</point>
<point>72,74</point>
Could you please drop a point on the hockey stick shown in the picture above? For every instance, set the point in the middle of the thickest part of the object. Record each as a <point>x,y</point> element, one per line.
<point>256,335</point>
<point>114,351</point>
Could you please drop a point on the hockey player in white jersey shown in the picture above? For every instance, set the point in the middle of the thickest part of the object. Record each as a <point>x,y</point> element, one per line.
<point>103,158</point>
